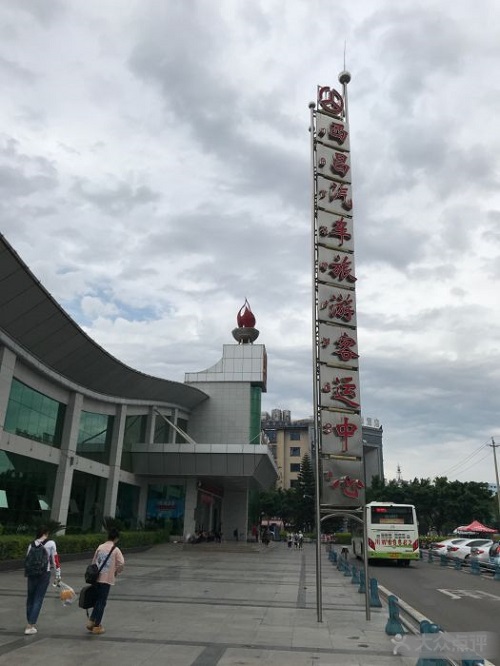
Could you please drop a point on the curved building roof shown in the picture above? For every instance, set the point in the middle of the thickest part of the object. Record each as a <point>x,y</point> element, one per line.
<point>31,317</point>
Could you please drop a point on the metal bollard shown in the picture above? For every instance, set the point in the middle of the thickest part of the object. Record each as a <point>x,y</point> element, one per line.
<point>475,567</point>
<point>427,627</point>
<point>374,598</point>
<point>394,626</point>
<point>355,576</point>
<point>362,585</point>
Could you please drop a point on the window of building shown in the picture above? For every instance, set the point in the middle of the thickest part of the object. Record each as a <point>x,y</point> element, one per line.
<point>27,490</point>
<point>33,415</point>
<point>295,435</point>
<point>166,504</point>
<point>183,424</point>
<point>295,467</point>
<point>295,452</point>
<point>163,431</point>
<point>135,433</point>
<point>272,436</point>
<point>94,436</point>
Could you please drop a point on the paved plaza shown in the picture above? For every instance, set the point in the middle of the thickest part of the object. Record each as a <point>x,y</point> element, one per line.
<point>204,605</point>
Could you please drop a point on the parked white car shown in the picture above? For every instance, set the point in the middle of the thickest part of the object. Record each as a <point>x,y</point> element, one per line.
<point>483,554</point>
<point>440,546</point>
<point>462,551</point>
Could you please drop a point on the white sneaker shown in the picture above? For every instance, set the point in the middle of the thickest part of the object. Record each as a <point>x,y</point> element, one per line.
<point>30,630</point>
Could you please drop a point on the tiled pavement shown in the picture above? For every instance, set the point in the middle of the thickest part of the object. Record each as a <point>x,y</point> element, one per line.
<point>206,605</point>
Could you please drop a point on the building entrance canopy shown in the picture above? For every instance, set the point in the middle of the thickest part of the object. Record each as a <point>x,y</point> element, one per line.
<point>215,461</point>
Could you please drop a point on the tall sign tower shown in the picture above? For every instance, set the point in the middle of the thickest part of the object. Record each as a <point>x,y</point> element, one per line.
<point>339,443</point>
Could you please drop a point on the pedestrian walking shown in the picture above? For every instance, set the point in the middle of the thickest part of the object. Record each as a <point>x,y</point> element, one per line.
<point>301,540</point>
<point>111,568</point>
<point>41,557</point>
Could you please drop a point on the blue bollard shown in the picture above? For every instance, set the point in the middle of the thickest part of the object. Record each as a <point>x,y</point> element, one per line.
<point>347,570</point>
<point>458,564</point>
<point>430,556</point>
<point>355,576</point>
<point>362,586</point>
<point>394,626</point>
<point>427,627</point>
<point>333,553</point>
<point>443,560</point>
<point>497,572</point>
<point>374,598</point>
<point>475,567</point>
<point>340,563</point>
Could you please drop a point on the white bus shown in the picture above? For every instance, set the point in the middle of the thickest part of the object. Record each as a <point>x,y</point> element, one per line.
<point>392,532</point>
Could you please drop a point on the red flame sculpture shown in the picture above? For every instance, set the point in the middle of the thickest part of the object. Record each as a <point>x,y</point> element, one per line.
<point>245,317</point>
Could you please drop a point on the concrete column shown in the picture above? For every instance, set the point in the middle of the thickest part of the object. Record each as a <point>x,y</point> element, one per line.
<point>150,426</point>
<point>190,506</point>
<point>143,502</point>
<point>64,476</point>
<point>7,364</point>
<point>115,458</point>
<point>235,514</point>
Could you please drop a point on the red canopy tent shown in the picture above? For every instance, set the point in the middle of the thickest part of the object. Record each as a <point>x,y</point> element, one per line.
<point>476,526</point>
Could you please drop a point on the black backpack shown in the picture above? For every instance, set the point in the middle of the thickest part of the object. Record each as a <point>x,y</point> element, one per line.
<point>36,561</point>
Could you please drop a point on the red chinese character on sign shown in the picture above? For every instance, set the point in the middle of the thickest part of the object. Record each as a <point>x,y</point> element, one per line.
<point>344,351</point>
<point>330,100</point>
<point>339,307</point>
<point>324,342</point>
<point>348,486</point>
<point>339,230</point>
<point>336,132</point>
<point>344,390</point>
<point>341,270</point>
<point>344,431</point>
<point>339,164</point>
<point>338,191</point>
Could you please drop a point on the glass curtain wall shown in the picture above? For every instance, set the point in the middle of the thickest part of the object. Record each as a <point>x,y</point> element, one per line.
<point>86,503</point>
<point>135,433</point>
<point>166,503</point>
<point>94,436</point>
<point>26,491</point>
<point>33,415</point>
<point>127,505</point>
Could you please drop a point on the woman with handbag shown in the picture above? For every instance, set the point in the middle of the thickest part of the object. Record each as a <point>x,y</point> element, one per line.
<point>109,558</point>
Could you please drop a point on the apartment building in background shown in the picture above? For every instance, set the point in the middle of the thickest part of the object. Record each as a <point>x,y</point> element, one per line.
<point>289,440</point>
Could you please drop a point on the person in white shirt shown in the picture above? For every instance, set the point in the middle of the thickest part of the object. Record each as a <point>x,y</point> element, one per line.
<point>38,584</point>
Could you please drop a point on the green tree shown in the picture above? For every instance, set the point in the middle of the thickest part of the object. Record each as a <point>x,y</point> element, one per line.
<point>440,504</point>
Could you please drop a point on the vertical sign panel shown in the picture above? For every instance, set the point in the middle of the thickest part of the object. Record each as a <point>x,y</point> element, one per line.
<point>337,390</point>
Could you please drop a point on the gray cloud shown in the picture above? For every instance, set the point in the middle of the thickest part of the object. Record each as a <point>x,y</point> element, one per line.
<point>115,200</point>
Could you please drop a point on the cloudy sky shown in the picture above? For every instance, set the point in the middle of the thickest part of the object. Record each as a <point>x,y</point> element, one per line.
<point>155,172</point>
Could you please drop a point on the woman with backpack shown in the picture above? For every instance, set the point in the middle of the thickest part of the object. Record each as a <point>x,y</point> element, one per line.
<point>40,558</point>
